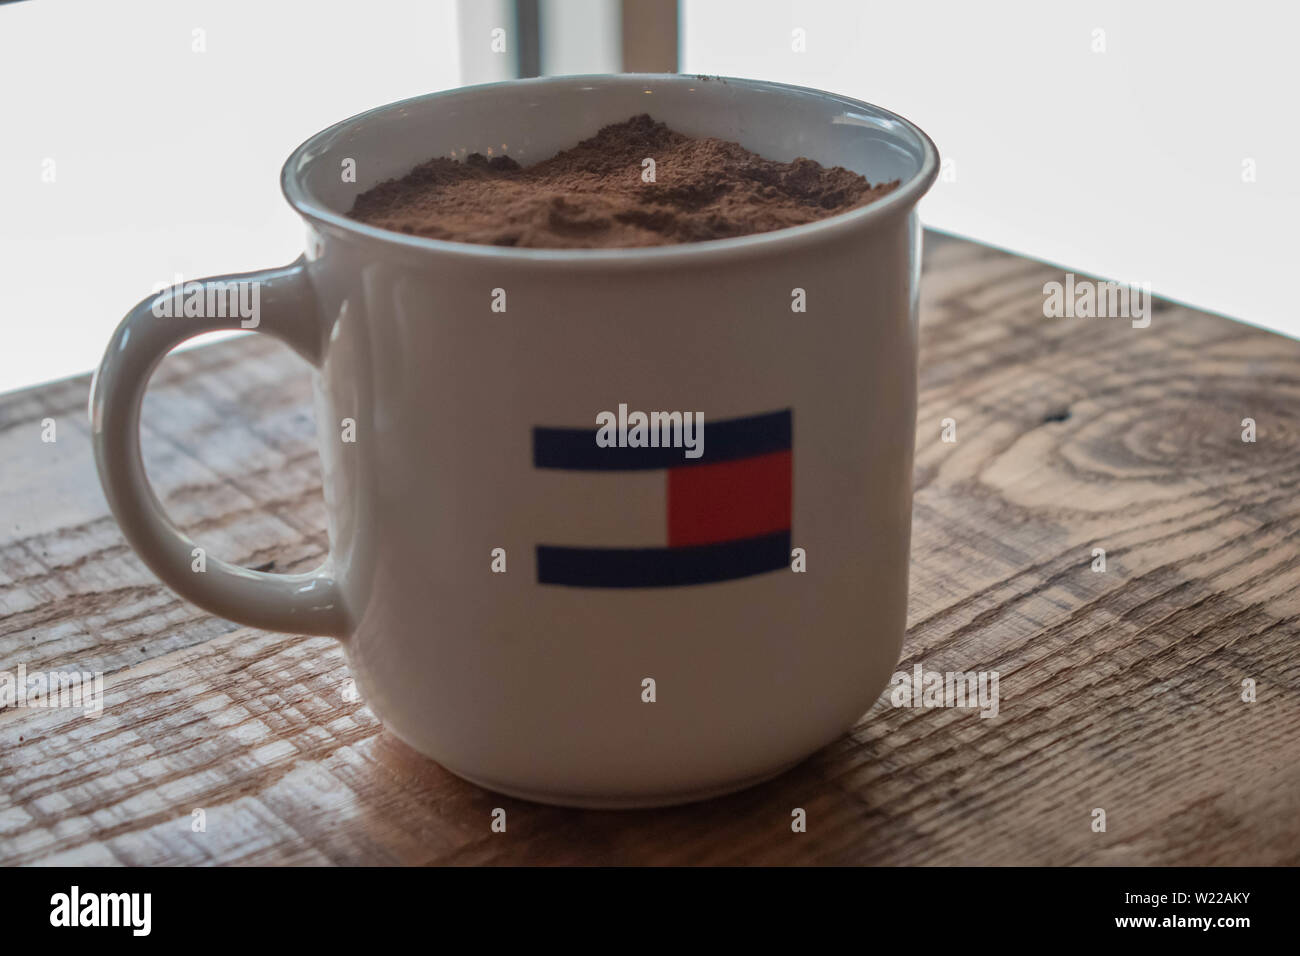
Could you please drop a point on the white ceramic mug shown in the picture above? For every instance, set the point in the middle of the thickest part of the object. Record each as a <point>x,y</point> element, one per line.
<point>665,628</point>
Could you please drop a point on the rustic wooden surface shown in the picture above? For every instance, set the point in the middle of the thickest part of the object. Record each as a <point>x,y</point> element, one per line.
<point>1120,690</point>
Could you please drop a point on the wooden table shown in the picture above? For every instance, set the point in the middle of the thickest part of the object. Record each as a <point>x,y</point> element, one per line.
<point>1120,690</point>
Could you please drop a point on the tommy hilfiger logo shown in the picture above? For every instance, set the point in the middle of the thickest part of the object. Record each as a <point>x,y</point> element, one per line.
<point>728,510</point>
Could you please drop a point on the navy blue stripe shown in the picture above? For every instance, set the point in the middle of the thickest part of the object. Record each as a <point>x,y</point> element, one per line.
<point>575,449</point>
<point>662,567</point>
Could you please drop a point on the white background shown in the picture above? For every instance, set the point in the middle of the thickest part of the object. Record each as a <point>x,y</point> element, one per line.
<point>167,160</point>
<point>1126,163</point>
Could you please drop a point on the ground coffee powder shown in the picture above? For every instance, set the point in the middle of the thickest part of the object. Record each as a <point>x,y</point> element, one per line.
<point>596,194</point>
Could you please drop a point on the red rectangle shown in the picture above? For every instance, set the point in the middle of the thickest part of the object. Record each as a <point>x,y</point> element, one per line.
<point>735,499</point>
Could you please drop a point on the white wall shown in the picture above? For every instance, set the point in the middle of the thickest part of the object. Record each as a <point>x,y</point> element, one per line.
<point>167,160</point>
<point>1127,163</point>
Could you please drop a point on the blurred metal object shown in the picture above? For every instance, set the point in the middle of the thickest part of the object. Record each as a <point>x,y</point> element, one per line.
<point>489,40</point>
<point>505,39</point>
<point>528,32</point>
<point>581,36</point>
<point>650,29</point>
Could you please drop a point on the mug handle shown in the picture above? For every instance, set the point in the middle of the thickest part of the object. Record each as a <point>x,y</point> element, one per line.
<point>284,307</point>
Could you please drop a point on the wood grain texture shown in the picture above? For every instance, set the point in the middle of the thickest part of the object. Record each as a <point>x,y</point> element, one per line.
<point>1119,690</point>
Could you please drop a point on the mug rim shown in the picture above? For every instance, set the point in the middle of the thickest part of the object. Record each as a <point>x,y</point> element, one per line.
<point>905,196</point>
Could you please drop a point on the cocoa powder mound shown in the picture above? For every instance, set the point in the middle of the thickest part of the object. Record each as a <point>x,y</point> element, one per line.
<point>594,196</point>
